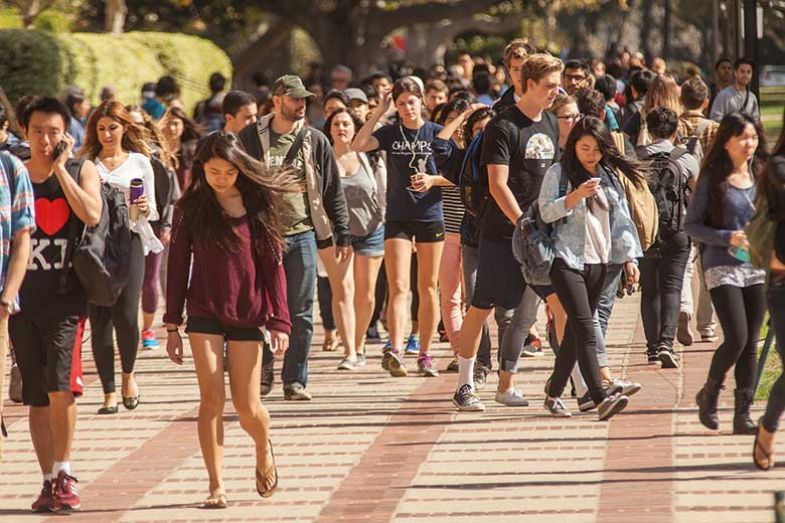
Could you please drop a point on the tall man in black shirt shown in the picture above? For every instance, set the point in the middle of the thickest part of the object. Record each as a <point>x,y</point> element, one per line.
<point>519,145</point>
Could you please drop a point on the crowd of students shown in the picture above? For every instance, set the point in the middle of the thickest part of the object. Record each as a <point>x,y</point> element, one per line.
<point>413,202</point>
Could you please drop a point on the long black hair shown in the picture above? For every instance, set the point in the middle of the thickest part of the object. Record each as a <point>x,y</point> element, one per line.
<point>612,158</point>
<point>259,187</point>
<point>717,164</point>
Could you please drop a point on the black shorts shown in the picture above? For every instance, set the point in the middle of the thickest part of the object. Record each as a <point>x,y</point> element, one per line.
<point>499,278</point>
<point>422,232</point>
<point>49,354</point>
<point>213,326</point>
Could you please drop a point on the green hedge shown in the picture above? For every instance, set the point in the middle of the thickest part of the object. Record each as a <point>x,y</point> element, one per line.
<point>37,62</point>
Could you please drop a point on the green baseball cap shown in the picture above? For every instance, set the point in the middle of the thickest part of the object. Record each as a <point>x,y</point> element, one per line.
<point>291,85</point>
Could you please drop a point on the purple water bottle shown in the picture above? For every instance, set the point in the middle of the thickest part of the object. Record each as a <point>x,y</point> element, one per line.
<point>137,191</point>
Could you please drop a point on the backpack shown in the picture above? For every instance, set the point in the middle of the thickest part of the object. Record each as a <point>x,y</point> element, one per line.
<point>668,185</point>
<point>640,200</point>
<point>760,233</point>
<point>473,179</point>
<point>101,254</point>
<point>532,242</point>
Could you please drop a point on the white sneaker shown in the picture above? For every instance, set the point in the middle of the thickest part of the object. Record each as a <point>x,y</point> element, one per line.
<point>512,398</point>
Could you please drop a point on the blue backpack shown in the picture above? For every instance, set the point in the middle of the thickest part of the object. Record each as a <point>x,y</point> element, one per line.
<point>532,242</point>
<point>473,179</point>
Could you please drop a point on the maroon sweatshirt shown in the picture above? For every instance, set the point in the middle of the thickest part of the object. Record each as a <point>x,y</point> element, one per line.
<point>238,289</point>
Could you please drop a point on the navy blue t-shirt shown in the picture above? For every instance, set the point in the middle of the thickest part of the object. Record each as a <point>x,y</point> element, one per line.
<point>409,152</point>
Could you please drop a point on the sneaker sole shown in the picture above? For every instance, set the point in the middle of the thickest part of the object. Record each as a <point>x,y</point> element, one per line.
<point>587,407</point>
<point>469,408</point>
<point>618,407</point>
<point>565,414</point>
<point>525,403</point>
<point>395,369</point>
<point>668,360</point>
<point>632,390</point>
<point>531,354</point>
<point>683,334</point>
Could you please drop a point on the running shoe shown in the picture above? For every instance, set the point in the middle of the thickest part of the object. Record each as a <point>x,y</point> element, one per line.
<point>361,359</point>
<point>667,357</point>
<point>467,400</point>
<point>708,337</point>
<point>46,500</point>
<point>511,398</point>
<point>347,364</point>
<point>372,334</point>
<point>453,366</point>
<point>480,376</point>
<point>585,403</point>
<point>413,344</point>
<point>268,378</point>
<point>651,355</point>
<point>65,493</point>
<point>611,405</point>
<point>626,387</point>
<point>532,347</point>
<point>296,392</point>
<point>425,366</point>
<point>684,329</point>
<point>393,363</point>
<point>148,340</point>
<point>556,407</point>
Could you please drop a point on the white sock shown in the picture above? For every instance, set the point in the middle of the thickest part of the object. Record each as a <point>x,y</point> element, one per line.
<point>577,379</point>
<point>466,371</point>
<point>61,465</point>
<point>48,477</point>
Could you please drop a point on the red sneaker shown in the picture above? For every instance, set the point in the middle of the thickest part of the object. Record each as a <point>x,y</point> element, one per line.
<point>66,496</point>
<point>45,501</point>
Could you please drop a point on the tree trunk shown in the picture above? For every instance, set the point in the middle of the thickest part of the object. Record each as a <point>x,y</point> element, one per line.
<point>714,14</point>
<point>666,30</point>
<point>645,45</point>
<point>116,11</point>
<point>257,56</point>
<point>30,10</point>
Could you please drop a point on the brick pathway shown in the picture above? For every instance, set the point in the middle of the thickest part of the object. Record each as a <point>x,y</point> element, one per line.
<point>373,448</point>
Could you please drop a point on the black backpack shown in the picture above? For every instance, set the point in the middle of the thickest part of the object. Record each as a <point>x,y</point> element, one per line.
<point>668,184</point>
<point>473,179</point>
<point>101,254</point>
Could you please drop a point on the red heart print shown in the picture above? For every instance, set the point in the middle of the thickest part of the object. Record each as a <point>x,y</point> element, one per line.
<point>51,215</point>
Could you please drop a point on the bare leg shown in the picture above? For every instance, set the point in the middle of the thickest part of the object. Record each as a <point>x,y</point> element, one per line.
<point>429,256</point>
<point>342,286</point>
<point>207,350</point>
<point>41,434</point>
<point>397,263</point>
<point>62,423</point>
<point>366,272</point>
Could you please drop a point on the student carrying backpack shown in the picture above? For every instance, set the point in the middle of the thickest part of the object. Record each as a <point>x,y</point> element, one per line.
<point>668,185</point>
<point>473,181</point>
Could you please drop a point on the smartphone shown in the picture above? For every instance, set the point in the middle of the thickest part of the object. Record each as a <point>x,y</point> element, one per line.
<point>58,150</point>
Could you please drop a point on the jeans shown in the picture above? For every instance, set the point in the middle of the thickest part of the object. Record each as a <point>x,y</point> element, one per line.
<point>604,309</point>
<point>523,318</point>
<point>661,281</point>
<point>740,311</point>
<point>579,293</point>
<point>776,405</point>
<point>299,263</point>
<point>122,319</point>
<point>471,259</point>
<point>325,295</point>
<point>691,290</point>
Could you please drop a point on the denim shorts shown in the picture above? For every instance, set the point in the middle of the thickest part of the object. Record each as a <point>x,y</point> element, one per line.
<point>499,278</point>
<point>371,244</point>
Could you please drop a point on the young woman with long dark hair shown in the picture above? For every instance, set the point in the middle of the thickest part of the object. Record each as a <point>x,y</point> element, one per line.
<point>121,153</point>
<point>721,207</point>
<point>353,281</point>
<point>772,187</point>
<point>226,223</point>
<point>584,200</point>
<point>414,214</point>
<point>181,135</point>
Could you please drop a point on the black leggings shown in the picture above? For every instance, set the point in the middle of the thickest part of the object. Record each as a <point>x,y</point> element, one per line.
<point>776,404</point>
<point>325,295</point>
<point>740,311</point>
<point>579,293</point>
<point>124,317</point>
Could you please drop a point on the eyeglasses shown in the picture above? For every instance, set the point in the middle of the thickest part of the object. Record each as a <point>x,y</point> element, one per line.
<point>571,117</point>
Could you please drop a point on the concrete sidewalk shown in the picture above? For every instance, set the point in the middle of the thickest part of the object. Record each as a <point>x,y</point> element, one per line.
<point>374,448</point>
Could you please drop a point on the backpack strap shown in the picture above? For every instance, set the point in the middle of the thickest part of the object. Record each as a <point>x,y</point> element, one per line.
<point>75,226</point>
<point>8,169</point>
<point>295,147</point>
<point>746,101</point>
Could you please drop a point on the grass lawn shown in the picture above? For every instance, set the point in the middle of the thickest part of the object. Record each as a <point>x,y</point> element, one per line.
<point>772,102</point>
<point>772,370</point>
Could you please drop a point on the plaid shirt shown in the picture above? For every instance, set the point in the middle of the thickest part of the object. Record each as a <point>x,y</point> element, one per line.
<point>689,122</point>
<point>16,206</point>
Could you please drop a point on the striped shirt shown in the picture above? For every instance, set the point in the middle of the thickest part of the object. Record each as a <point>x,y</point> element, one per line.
<point>453,209</point>
<point>16,206</point>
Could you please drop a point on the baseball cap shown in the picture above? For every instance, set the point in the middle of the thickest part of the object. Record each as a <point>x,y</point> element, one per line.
<point>356,94</point>
<point>291,85</point>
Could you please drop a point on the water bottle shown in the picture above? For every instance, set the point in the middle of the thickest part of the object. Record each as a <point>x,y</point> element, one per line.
<point>136,191</point>
<point>740,253</point>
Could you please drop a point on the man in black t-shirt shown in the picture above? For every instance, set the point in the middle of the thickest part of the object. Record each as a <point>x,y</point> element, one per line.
<point>519,145</point>
<point>47,332</point>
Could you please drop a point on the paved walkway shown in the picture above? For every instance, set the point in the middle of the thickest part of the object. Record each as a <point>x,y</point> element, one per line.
<point>373,448</point>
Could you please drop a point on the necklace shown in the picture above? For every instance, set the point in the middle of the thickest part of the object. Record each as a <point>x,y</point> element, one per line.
<point>421,164</point>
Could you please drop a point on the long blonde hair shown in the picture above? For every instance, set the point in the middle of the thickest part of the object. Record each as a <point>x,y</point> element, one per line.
<point>664,92</point>
<point>135,137</point>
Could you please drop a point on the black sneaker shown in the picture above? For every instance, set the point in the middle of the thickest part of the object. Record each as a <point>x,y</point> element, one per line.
<point>585,403</point>
<point>268,378</point>
<point>453,366</point>
<point>466,399</point>
<point>668,358</point>
<point>480,376</point>
<point>652,355</point>
<point>613,404</point>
